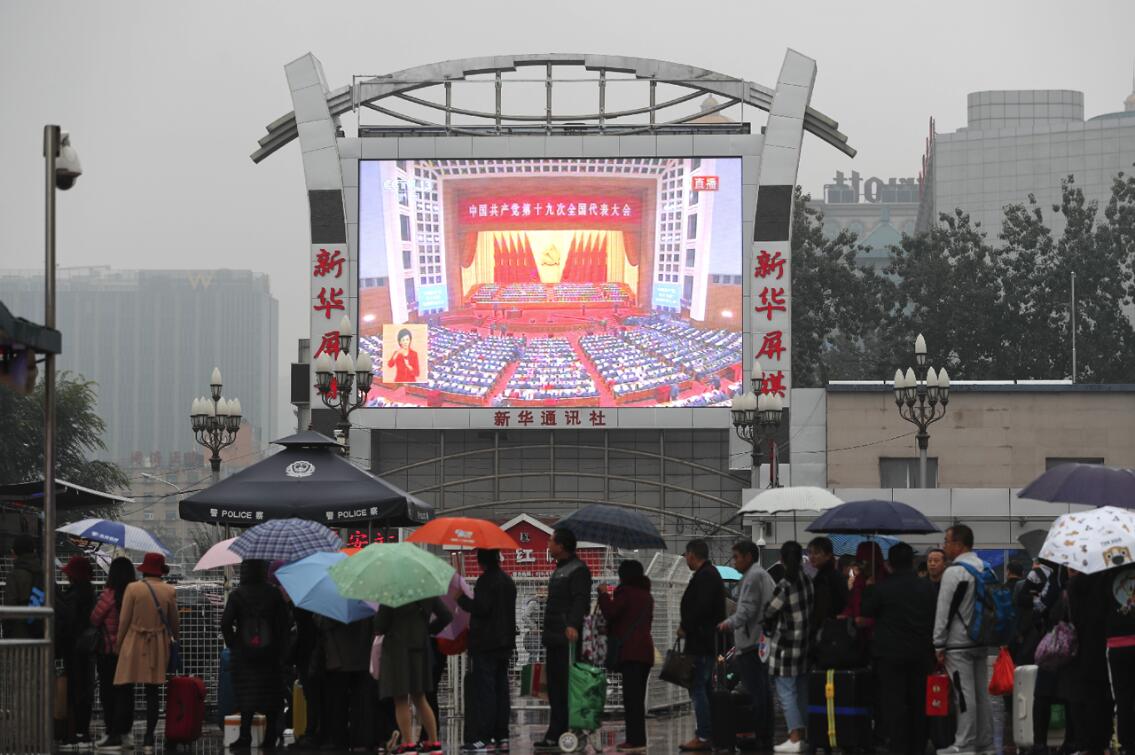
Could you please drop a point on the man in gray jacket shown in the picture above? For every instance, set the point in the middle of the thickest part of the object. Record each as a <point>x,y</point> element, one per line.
<point>753,595</point>
<point>966,662</point>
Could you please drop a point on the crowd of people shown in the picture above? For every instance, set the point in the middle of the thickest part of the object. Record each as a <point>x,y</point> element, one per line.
<point>627,369</point>
<point>549,369</point>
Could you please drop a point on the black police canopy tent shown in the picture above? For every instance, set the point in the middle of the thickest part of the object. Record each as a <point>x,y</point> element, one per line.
<point>309,479</point>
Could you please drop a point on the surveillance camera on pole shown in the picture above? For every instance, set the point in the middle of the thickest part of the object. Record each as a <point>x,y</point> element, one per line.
<point>67,166</point>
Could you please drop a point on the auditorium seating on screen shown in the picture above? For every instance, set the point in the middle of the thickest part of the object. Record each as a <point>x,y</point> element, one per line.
<point>549,369</point>
<point>626,368</point>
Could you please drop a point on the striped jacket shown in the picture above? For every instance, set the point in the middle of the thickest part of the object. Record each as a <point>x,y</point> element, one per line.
<point>786,621</point>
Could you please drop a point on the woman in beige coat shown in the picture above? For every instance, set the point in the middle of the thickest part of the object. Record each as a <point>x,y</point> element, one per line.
<point>143,640</point>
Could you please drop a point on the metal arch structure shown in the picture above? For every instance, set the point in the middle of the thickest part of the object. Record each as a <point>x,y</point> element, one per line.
<point>369,92</point>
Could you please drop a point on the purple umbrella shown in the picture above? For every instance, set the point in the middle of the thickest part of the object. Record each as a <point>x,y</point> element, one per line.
<point>872,517</point>
<point>1088,484</point>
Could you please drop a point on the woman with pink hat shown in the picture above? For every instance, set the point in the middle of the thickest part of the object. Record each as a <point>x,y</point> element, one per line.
<point>73,611</point>
<point>147,625</point>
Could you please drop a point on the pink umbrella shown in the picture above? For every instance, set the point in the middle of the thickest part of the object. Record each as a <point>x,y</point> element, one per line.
<point>217,556</point>
<point>460,616</point>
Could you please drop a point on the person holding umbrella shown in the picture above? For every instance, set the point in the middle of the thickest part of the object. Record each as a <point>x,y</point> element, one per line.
<point>406,673</point>
<point>568,602</point>
<point>255,626</point>
<point>492,639</point>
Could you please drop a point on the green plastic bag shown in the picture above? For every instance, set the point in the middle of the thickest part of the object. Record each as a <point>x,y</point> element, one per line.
<point>1057,721</point>
<point>587,695</point>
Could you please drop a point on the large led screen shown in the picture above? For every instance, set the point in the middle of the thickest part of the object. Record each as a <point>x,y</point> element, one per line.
<point>551,282</point>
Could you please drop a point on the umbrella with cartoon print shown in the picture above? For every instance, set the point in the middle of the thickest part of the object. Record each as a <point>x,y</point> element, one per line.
<point>1092,541</point>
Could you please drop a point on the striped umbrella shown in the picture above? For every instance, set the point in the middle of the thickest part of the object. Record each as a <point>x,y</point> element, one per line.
<point>285,540</point>
<point>118,534</point>
<point>614,526</point>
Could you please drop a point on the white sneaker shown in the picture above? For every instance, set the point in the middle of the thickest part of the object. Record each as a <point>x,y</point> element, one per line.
<point>955,750</point>
<point>789,746</point>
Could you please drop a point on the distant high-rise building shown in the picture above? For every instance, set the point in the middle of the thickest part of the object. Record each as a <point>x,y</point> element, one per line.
<point>878,211</point>
<point>1021,142</point>
<point>150,340</point>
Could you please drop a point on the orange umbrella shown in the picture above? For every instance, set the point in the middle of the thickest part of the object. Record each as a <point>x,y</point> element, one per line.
<point>463,532</point>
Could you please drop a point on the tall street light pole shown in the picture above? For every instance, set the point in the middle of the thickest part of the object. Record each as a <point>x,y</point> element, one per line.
<point>62,169</point>
<point>756,418</point>
<point>343,384</point>
<point>215,421</point>
<point>922,401</point>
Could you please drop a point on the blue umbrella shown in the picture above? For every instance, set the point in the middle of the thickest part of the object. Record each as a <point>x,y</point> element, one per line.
<point>118,534</point>
<point>310,587</point>
<point>872,517</point>
<point>1090,484</point>
<point>728,572</point>
<point>285,540</point>
<point>614,526</point>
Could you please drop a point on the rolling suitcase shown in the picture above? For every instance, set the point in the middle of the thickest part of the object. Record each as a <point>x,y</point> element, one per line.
<point>1024,690</point>
<point>722,705</point>
<point>185,709</point>
<point>226,699</point>
<point>839,708</point>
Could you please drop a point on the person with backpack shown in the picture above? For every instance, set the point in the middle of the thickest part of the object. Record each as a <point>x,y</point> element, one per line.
<point>256,625</point>
<point>117,709</point>
<point>964,657</point>
<point>1041,604</point>
<point>23,588</point>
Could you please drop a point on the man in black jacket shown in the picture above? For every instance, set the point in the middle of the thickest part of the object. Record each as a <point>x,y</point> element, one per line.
<point>903,609</point>
<point>702,609</point>
<point>829,586</point>
<point>569,601</point>
<point>492,638</point>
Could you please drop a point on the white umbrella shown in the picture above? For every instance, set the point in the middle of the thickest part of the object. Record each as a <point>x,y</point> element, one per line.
<point>782,500</point>
<point>1092,541</point>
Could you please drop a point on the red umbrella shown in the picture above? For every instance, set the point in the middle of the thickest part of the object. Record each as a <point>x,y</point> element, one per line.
<point>464,532</point>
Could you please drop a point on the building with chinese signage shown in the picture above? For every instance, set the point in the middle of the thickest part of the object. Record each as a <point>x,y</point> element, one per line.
<point>1017,143</point>
<point>149,340</point>
<point>559,308</point>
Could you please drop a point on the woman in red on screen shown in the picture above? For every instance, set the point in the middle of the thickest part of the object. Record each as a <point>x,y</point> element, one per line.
<point>405,360</point>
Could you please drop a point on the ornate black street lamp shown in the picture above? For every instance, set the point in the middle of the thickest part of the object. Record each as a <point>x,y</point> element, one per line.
<point>922,402</point>
<point>215,421</point>
<point>756,418</point>
<point>343,384</point>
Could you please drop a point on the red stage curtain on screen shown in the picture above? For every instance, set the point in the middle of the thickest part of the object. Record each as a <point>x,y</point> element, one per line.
<point>469,249</point>
<point>630,244</point>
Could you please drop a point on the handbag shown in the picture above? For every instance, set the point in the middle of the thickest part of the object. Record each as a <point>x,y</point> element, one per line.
<point>678,667</point>
<point>173,665</point>
<point>1057,647</point>
<point>938,694</point>
<point>595,638</point>
<point>1001,681</point>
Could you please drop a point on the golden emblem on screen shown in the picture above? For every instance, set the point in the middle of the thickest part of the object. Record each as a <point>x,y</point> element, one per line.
<point>551,256</point>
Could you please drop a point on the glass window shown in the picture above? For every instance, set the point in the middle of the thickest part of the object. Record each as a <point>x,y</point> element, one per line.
<point>407,262</point>
<point>691,257</point>
<point>404,226</point>
<point>411,292</point>
<point>903,473</point>
<point>692,227</point>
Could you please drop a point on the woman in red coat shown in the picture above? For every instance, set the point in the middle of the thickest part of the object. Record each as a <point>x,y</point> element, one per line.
<point>629,613</point>
<point>405,359</point>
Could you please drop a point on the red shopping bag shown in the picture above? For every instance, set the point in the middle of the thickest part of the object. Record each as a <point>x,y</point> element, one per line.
<point>1001,681</point>
<point>938,694</point>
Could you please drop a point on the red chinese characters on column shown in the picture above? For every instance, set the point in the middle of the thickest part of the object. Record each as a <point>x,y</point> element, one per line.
<point>328,261</point>
<point>329,300</point>
<point>329,344</point>
<point>772,300</point>
<point>772,345</point>
<point>768,264</point>
<point>774,385</point>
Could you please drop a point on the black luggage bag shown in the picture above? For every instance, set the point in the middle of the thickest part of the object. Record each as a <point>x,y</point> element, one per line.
<point>839,708</point>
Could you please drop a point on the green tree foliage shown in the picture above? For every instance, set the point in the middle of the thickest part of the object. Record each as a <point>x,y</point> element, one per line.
<point>834,302</point>
<point>79,432</point>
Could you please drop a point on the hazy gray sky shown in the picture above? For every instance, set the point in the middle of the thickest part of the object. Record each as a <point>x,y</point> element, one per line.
<point>165,101</point>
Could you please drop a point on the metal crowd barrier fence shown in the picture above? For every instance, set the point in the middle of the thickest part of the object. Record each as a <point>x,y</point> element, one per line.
<point>25,724</point>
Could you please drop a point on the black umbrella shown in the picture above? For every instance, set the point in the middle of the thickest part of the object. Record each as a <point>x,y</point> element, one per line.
<point>614,526</point>
<point>1032,541</point>
<point>872,517</point>
<point>309,479</point>
<point>1090,484</point>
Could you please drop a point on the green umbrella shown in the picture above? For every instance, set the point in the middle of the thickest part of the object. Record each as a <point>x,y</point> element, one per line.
<point>392,574</point>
